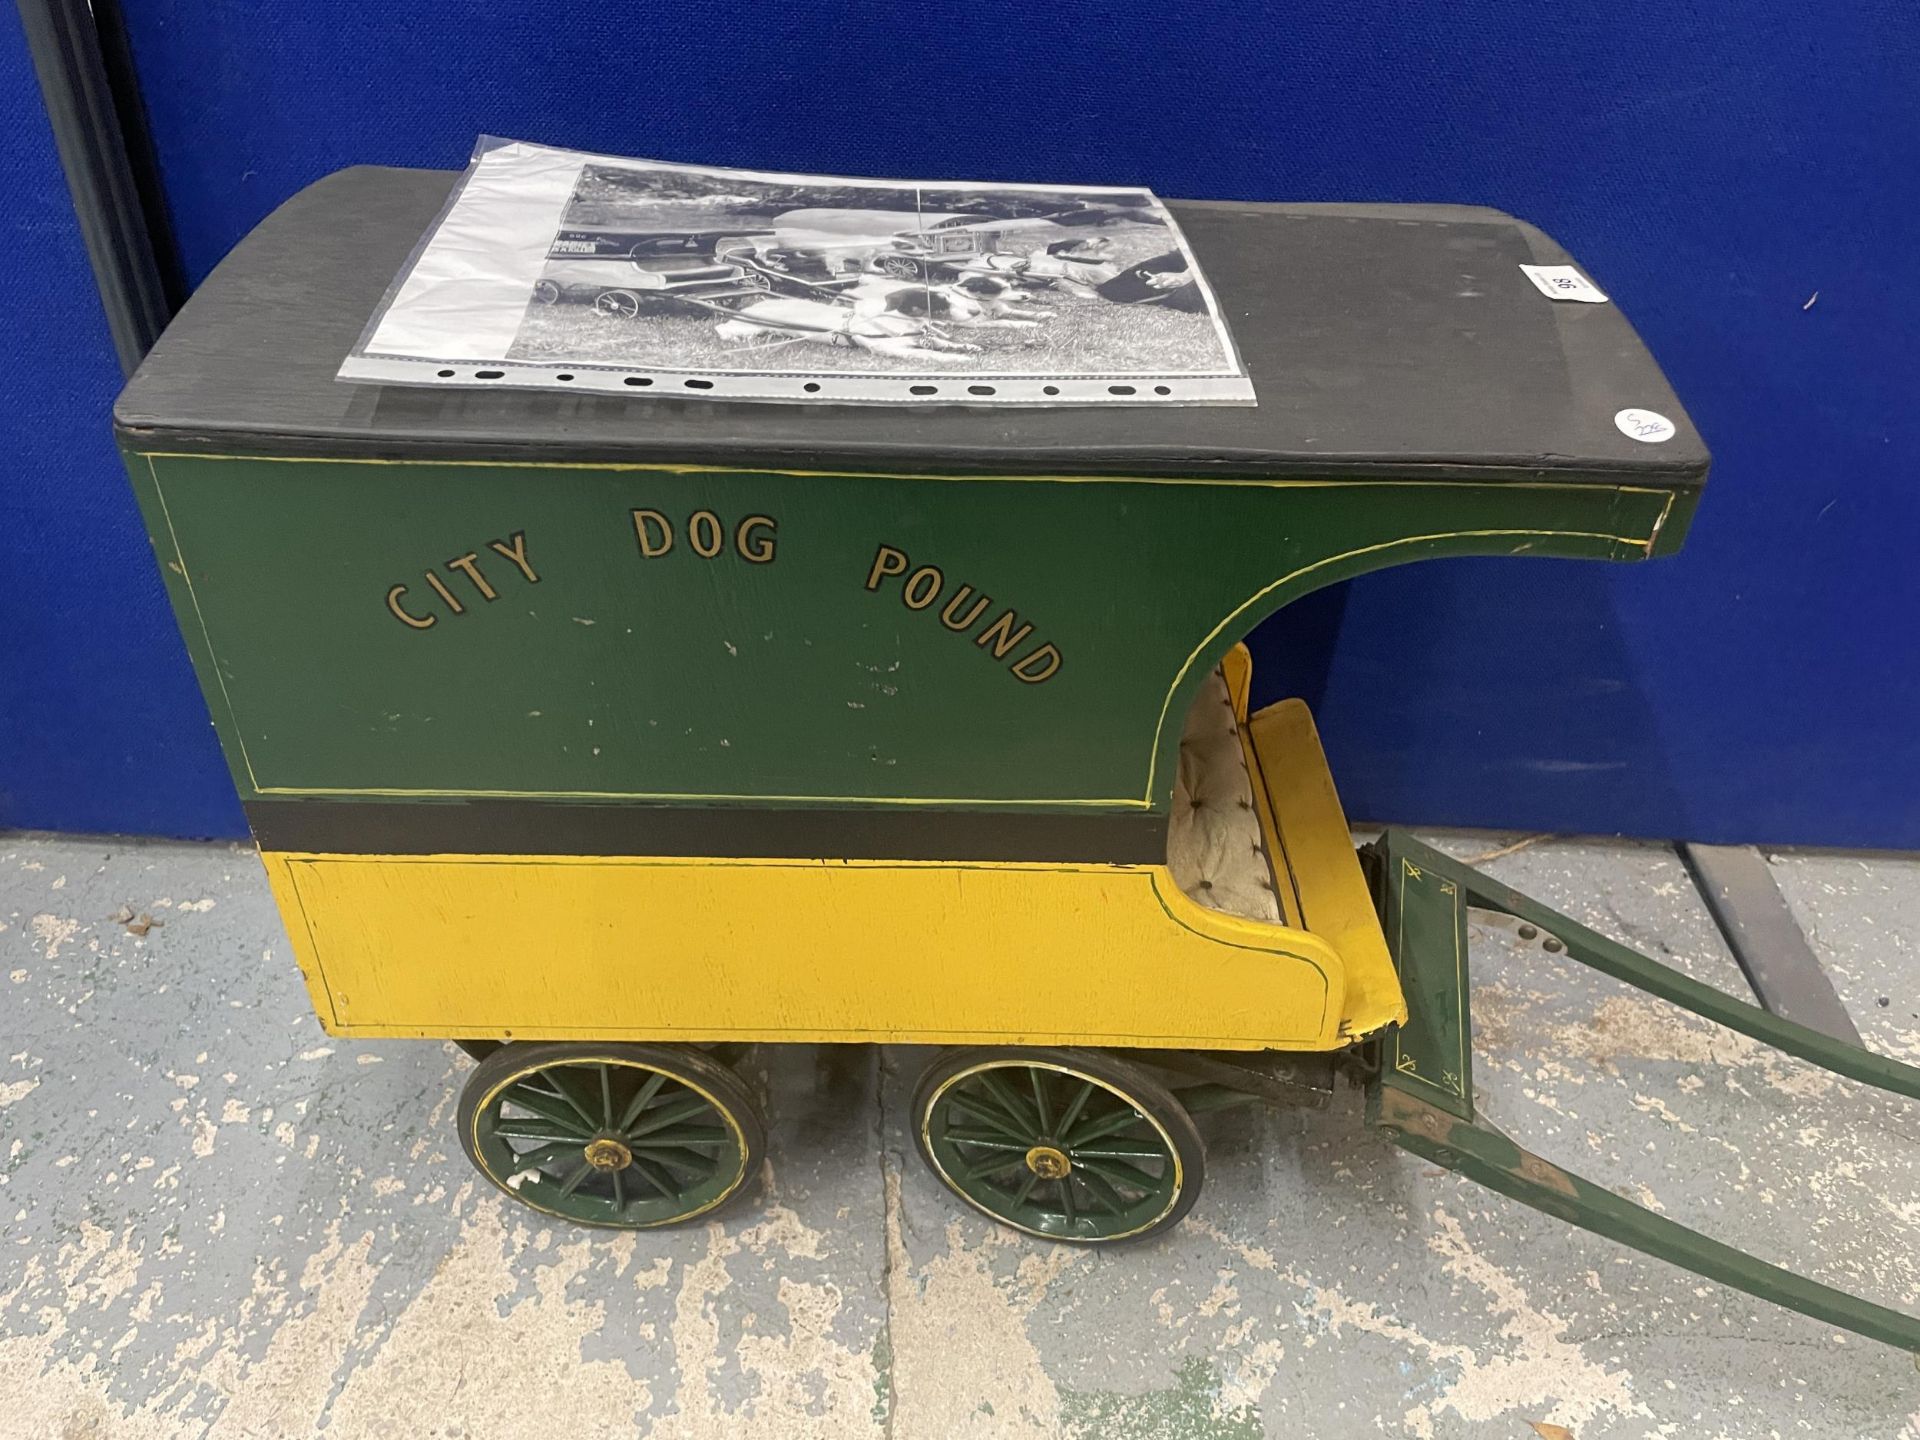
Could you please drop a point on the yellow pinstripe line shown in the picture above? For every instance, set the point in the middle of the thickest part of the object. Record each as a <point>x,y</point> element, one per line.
<point>685,795</point>
<point>1260,594</point>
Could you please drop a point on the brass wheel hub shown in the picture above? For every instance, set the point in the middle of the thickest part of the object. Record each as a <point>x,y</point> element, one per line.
<point>608,1154</point>
<point>1048,1163</point>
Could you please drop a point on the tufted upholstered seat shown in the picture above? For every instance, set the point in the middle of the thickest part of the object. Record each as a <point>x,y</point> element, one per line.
<point>1214,844</point>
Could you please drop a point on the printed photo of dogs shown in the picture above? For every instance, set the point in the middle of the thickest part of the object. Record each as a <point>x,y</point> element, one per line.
<point>703,270</point>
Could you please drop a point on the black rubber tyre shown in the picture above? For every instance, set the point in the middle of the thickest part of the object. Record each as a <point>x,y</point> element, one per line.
<point>623,1136</point>
<point>622,304</point>
<point>1072,1145</point>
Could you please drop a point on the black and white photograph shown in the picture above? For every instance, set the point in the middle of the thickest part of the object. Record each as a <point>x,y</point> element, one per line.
<point>794,287</point>
<point>688,270</point>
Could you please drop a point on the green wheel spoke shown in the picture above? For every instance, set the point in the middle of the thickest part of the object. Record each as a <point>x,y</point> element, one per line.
<point>641,1099</point>
<point>516,1127</point>
<point>1027,1184</point>
<point>1008,1099</point>
<point>619,1192</point>
<point>990,1115</point>
<point>606,1095</point>
<point>992,1165</point>
<point>986,1139</point>
<point>578,1174</point>
<point>671,1113</point>
<point>1103,1193</point>
<point>1119,1148</point>
<point>1103,1126</point>
<point>1037,1079</point>
<point>1075,1106</point>
<point>577,1090</point>
<point>678,1135</point>
<point>658,1176</point>
<point>547,1154</point>
<point>1125,1174</point>
<point>548,1107</point>
<point>989,1110</point>
<point>693,1160</point>
<point>1067,1206</point>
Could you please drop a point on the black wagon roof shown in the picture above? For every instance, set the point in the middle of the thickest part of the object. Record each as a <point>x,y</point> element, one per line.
<point>1381,340</point>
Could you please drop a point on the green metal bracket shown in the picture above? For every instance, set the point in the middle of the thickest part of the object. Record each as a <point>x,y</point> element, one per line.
<point>1423,1095</point>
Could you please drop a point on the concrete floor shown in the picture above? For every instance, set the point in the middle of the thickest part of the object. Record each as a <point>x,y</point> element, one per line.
<point>218,1221</point>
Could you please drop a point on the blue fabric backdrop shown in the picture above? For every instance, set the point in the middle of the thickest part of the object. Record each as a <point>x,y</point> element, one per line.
<point>101,724</point>
<point>1716,166</point>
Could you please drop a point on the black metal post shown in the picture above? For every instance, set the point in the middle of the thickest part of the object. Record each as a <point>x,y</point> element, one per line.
<point>1760,930</point>
<point>88,131</point>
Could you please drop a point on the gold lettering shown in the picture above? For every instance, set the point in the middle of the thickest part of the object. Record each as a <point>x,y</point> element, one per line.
<point>1049,656</point>
<point>923,587</point>
<point>886,561</point>
<point>960,598</point>
<point>445,594</point>
<point>927,593</point>
<point>710,522</point>
<point>515,550</point>
<point>418,622</point>
<point>758,551</point>
<point>642,519</point>
<point>1002,636</point>
<point>466,565</point>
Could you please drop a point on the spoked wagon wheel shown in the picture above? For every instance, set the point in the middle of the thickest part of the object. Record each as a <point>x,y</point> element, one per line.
<point>900,267</point>
<point>1065,1144</point>
<point>622,304</point>
<point>627,1136</point>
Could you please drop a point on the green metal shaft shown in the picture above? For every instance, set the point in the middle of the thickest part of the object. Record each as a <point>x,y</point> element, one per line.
<point>1485,1155</point>
<point>1423,1096</point>
<point>1610,958</point>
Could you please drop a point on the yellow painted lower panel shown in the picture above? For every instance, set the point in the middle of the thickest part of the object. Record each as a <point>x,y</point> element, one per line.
<point>802,950</point>
<point>1316,849</point>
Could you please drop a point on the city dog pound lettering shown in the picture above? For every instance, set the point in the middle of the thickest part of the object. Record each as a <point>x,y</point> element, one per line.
<point>963,611</point>
<point>706,535</point>
<point>420,614</point>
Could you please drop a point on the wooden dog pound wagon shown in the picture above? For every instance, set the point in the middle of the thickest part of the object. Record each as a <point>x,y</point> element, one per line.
<point>609,736</point>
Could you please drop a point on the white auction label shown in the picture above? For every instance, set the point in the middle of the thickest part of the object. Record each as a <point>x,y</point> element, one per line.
<point>1563,282</point>
<point>1647,425</point>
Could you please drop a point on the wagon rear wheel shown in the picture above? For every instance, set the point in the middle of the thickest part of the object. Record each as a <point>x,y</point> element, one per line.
<point>621,304</point>
<point>1066,1144</point>
<point>625,1136</point>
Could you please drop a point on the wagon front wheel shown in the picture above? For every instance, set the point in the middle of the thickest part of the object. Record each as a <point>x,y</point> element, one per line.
<point>1066,1144</point>
<point>625,1136</point>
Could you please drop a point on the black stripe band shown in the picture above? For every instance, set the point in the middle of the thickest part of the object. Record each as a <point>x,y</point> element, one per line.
<point>530,827</point>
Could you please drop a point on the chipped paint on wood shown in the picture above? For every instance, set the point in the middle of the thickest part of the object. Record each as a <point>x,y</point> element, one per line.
<point>172,1267</point>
